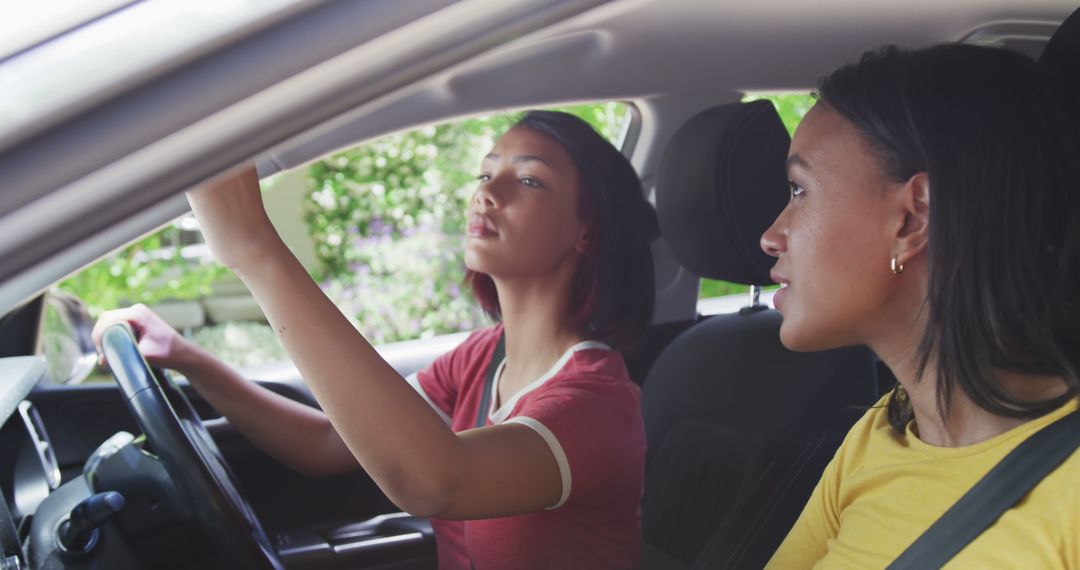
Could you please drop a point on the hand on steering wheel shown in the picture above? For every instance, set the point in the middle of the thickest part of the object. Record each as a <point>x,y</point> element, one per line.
<point>188,454</point>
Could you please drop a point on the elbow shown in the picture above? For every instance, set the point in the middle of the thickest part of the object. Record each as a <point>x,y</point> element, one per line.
<point>312,469</point>
<point>426,488</point>
<point>421,509</point>
<point>422,505</point>
<point>423,499</point>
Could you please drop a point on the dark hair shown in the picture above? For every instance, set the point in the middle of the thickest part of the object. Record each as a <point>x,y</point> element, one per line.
<point>1004,260</point>
<point>613,290</point>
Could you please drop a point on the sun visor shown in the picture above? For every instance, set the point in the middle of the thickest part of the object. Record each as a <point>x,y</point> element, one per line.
<point>721,183</point>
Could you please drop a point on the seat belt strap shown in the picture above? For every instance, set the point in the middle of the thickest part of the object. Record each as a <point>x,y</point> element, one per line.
<point>493,367</point>
<point>1000,489</point>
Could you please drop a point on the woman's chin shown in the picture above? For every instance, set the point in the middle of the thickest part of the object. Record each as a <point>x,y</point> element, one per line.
<point>789,342</point>
<point>474,260</point>
<point>794,337</point>
<point>480,261</point>
<point>799,338</point>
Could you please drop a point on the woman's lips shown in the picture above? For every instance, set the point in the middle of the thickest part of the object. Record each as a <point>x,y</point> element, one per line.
<point>480,227</point>
<point>778,297</point>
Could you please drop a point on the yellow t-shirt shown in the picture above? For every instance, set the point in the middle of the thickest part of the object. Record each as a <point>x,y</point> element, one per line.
<point>882,490</point>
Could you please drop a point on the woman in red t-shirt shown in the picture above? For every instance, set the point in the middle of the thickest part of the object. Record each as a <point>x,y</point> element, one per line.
<point>557,249</point>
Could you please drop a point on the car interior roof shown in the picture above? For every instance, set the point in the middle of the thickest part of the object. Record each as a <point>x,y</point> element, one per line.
<point>635,49</point>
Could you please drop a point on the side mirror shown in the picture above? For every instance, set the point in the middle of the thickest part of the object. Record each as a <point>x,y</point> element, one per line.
<point>65,339</point>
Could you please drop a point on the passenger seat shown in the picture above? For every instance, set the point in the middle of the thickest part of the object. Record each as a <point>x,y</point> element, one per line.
<point>739,428</point>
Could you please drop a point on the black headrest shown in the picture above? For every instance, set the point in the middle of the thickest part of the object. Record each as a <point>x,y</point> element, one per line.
<point>721,184</point>
<point>1061,61</point>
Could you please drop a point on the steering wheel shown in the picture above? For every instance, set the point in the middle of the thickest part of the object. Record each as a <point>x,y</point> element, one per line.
<point>188,454</point>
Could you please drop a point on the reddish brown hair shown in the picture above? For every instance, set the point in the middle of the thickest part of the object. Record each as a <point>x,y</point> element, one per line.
<point>613,289</point>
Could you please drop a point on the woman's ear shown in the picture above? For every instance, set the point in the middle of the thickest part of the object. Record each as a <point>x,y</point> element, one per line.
<point>584,241</point>
<point>914,230</point>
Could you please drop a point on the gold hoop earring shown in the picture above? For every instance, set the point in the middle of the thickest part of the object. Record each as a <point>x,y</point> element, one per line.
<point>896,266</point>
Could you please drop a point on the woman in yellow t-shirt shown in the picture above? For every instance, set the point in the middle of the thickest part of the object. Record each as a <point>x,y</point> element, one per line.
<point>935,217</point>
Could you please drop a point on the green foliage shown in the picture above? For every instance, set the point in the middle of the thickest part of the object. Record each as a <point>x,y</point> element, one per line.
<point>713,288</point>
<point>791,107</point>
<point>241,344</point>
<point>388,218</point>
<point>147,271</point>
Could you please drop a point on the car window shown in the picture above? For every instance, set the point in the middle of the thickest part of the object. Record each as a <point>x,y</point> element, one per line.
<point>379,226</point>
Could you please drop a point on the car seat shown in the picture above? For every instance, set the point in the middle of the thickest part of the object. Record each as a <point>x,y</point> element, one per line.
<point>1060,62</point>
<point>738,428</point>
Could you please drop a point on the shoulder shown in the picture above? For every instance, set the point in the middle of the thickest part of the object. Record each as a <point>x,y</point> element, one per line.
<point>595,368</point>
<point>1069,476</point>
<point>594,382</point>
<point>590,415</point>
<point>1064,493</point>
<point>871,435</point>
<point>1052,509</point>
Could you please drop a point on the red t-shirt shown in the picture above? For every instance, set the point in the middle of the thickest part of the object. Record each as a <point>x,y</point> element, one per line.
<point>589,413</point>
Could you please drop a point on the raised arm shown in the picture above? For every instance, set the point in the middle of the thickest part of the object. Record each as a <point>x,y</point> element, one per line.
<point>412,455</point>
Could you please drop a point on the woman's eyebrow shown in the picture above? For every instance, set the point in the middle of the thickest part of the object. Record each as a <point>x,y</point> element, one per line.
<point>518,158</point>
<point>796,160</point>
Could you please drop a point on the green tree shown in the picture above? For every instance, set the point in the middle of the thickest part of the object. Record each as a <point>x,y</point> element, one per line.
<point>150,270</point>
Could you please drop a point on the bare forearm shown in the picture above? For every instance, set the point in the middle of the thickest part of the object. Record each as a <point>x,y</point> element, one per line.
<point>298,435</point>
<point>402,444</point>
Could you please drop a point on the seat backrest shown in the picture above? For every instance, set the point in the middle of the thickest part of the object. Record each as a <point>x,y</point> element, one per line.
<point>1060,61</point>
<point>738,427</point>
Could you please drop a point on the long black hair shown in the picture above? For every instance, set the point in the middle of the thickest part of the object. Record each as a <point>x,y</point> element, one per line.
<point>1004,259</point>
<point>613,290</point>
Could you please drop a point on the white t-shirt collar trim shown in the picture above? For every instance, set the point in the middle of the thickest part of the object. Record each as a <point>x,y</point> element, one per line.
<point>499,416</point>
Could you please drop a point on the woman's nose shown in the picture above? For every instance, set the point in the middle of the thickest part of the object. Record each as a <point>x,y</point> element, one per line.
<point>486,195</point>
<point>772,241</point>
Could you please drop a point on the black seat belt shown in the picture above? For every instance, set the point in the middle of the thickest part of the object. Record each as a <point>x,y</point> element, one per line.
<point>493,367</point>
<point>1000,489</point>
<point>497,357</point>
